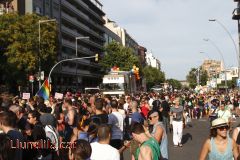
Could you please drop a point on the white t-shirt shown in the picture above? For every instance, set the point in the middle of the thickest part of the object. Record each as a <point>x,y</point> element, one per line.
<point>125,106</point>
<point>104,152</point>
<point>115,119</point>
<point>150,102</point>
<point>224,114</point>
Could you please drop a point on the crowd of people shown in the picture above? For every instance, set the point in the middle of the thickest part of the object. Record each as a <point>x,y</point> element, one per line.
<point>84,126</point>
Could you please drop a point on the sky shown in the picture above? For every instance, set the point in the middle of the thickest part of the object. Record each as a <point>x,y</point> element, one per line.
<point>173,30</point>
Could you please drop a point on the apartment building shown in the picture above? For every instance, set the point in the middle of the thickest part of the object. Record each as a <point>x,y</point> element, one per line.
<point>213,67</point>
<point>126,39</point>
<point>81,34</point>
<point>152,61</point>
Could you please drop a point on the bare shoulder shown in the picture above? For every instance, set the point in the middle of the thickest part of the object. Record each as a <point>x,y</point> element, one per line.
<point>207,144</point>
<point>145,149</point>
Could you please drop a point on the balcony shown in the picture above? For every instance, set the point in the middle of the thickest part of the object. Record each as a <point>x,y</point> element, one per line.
<point>82,4</point>
<point>236,14</point>
<point>75,22</point>
<point>81,49</point>
<point>74,9</point>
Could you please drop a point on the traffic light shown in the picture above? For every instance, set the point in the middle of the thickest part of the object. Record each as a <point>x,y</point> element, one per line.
<point>96,57</point>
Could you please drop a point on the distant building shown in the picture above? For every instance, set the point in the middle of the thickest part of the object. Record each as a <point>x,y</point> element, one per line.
<point>213,67</point>
<point>152,61</point>
<point>142,54</point>
<point>127,40</point>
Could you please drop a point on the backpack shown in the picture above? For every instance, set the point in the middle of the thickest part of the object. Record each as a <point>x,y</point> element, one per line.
<point>52,135</point>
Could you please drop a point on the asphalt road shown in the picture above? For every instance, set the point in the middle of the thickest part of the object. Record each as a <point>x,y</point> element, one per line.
<point>193,139</point>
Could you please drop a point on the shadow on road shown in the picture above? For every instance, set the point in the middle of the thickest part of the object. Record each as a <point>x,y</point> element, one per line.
<point>186,137</point>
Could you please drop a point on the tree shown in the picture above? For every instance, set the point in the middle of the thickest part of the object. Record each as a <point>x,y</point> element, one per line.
<point>174,83</point>
<point>19,45</point>
<point>120,56</point>
<point>153,76</point>
<point>192,77</point>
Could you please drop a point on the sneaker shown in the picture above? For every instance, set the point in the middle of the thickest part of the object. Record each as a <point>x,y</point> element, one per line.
<point>180,145</point>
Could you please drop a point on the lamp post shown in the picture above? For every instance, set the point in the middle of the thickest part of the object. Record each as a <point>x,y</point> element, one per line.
<point>235,46</point>
<point>39,47</point>
<point>219,51</point>
<point>76,41</point>
<point>64,60</point>
<point>229,34</point>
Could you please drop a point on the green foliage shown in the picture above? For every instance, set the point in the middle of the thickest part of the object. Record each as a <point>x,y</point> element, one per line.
<point>153,76</point>
<point>19,45</point>
<point>117,55</point>
<point>174,83</point>
<point>192,77</point>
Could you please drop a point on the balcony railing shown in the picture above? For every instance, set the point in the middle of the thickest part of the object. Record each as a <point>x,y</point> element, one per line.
<point>75,22</point>
<point>81,25</point>
<point>80,49</point>
<point>74,9</point>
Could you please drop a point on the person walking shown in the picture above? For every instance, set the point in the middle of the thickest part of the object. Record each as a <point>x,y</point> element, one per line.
<point>165,109</point>
<point>115,120</point>
<point>177,112</point>
<point>219,145</point>
<point>149,148</point>
<point>159,133</point>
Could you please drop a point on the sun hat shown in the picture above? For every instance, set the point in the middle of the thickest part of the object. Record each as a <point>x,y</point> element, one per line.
<point>219,122</point>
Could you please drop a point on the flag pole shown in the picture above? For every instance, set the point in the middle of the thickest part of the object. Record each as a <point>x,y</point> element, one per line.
<point>40,87</point>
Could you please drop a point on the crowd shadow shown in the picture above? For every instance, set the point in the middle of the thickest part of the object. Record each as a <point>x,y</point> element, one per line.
<point>186,137</point>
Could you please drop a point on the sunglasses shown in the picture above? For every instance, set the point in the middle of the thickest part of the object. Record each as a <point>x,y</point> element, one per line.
<point>223,128</point>
<point>150,118</point>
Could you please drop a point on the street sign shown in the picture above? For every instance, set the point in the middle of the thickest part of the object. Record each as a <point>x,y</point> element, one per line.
<point>42,75</point>
<point>31,78</point>
<point>26,96</point>
<point>58,95</point>
<point>238,82</point>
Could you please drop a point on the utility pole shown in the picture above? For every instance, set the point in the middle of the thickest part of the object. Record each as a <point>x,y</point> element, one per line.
<point>198,76</point>
<point>236,16</point>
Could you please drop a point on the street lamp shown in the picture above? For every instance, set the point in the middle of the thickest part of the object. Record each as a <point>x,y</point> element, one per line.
<point>219,51</point>
<point>64,60</point>
<point>76,40</point>
<point>235,46</point>
<point>39,47</point>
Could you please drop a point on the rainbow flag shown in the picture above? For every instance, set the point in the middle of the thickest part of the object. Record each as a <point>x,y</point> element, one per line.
<point>44,91</point>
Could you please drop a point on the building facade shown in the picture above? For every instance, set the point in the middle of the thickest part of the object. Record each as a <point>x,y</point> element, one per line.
<point>213,67</point>
<point>126,39</point>
<point>81,34</point>
<point>152,61</point>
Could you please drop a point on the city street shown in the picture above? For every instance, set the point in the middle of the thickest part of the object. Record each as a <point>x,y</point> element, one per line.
<point>193,139</point>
